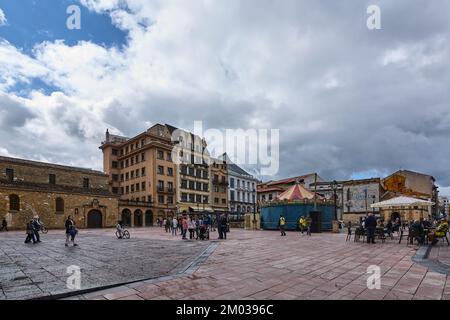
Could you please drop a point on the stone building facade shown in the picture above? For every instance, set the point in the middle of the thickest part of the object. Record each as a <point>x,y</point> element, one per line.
<point>52,192</point>
<point>358,196</point>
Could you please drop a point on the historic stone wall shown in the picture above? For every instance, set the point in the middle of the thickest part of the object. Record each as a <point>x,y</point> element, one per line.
<point>44,204</point>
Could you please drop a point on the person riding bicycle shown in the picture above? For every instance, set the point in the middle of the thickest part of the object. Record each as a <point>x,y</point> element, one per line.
<point>120,229</point>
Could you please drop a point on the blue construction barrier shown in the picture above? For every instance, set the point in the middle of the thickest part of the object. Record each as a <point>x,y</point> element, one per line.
<point>270,215</point>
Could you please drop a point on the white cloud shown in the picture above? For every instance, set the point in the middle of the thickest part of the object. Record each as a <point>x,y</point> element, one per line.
<point>2,18</point>
<point>344,100</point>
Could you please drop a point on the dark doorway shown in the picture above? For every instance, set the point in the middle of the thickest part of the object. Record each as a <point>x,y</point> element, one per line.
<point>138,218</point>
<point>94,219</point>
<point>316,221</point>
<point>149,218</point>
<point>126,217</point>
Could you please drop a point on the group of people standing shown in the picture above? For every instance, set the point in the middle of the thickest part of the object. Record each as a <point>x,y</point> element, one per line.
<point>303,225</point>
<point>195,226</point>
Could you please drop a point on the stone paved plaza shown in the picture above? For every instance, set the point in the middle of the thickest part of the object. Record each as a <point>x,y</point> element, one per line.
<point>38,270</point>
<point>263,265</point>
<point>249,265</point>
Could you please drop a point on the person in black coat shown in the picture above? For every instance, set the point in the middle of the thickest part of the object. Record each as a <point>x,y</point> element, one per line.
<point>36,228</point>
<point>30,232</point>
<point>370,224</point>
<point>224,226</point>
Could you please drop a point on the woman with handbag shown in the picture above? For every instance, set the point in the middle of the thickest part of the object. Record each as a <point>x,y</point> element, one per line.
<point>71,231</point>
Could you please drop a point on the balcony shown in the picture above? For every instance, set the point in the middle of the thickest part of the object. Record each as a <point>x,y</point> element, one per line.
<point>166,190</point>
<point>220,182</point>
<point>135,203</point>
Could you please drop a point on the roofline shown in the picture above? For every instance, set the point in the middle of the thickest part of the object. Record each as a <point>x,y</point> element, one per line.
<point>50,165</point>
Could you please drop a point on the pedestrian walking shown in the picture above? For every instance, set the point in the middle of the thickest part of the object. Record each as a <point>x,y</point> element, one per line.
<point>4,225</point>
<point>30,232</point>
<point>370,224</point>
<point>36,228</point>
<point>224,226</point>
<point>71,231</point>
<point>308,222</point>
<point>282,225</point>
<point>167,223</point>
<point>184,227</point>
<point>191,228</point>
<point>174,226</point>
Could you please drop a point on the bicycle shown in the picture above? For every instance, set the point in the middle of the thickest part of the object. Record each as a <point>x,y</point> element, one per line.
<point>43,229</point>
<point>125,234</point>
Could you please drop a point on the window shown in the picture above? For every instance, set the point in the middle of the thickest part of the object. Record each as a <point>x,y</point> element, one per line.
<point>191,171</point>
<point>192,198</point>
<point>137,173</point>
<point>142,142</point>
<point>137,187</point>
<point>143,157</point>
<point>169,156</point>
<point>143,186</point>
<point>170,172</point>
<point>132,161</point>
<point>143,172</point>
<point>224,201</point>
<point>121,177</point>
<point>14,202</point>
<point>198,186</point>
<point>198,198</point>
<point>191,185</point>
<point>132,174</point>
<point>170,186</point>
<point>127,164</point>
<point>231,182</point>
<point>349,195</point>
<point>216,200</point>
<point>10,174</point>
<point>205,174</point>
<point>115,164</point>
<point>184,197</point>
<point>160,199</point>
<point>149,198</point>
<point>127,176</point>
<point>184,184</point>
<point>59,203</point>
<point>115,152</point>
<point>52,179</point>
<point>121,190</point>
<point>132,188</point>
<point>170,199</point>
<point>160,185</point>
<point>115,177</point>
<point>270,197</point>
<point>232,195</point>
<point>86,183</point>
<point>160,155</point>
<point>137,158</point>
<point>205,199</point>
<point>127,189</point>
<point>205,187</point>
<point>160,170</point>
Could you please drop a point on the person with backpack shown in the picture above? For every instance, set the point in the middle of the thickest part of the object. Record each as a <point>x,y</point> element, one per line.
<point>282,225</point>
<point>71,231</point>
<point>4,225</point>
<point>30,232</point>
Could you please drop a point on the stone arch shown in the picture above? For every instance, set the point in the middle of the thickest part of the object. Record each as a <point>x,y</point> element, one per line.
<point>138,218</point>
<point>126,217</point>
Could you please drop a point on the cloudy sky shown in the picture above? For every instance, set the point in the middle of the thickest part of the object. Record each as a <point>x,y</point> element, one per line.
<point>349,101</point>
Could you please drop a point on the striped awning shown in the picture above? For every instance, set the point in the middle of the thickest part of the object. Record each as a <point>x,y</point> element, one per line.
<point>297,192</point>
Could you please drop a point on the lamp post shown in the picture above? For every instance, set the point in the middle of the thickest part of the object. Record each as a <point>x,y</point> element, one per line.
<point>335,186</point>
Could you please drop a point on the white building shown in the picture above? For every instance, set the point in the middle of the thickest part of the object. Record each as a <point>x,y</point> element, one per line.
<point>443,205</point>
<point>242,190</point>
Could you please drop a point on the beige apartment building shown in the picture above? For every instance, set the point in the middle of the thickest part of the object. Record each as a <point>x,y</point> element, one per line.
<point>193,172</point>
<point>142,173</point>
<point>219,192</point>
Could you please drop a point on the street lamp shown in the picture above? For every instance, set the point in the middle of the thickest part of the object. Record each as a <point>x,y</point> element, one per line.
<point>335,186</point>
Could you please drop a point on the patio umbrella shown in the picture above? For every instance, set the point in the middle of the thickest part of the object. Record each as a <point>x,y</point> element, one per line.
<point>402,202</point>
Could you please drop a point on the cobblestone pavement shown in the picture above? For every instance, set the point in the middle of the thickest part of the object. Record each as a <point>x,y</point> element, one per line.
<point>441,255</point>
<point>38,270</point>
<point>263,265</point>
